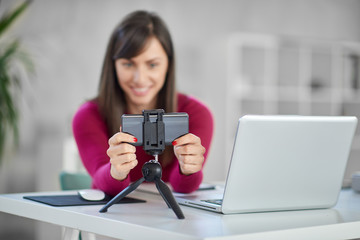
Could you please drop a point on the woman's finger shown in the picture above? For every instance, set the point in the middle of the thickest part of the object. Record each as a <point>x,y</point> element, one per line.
<point>191,159</point>
<point>123,148</point>
<point>121,137</point>
<point>123,159</point>
<point>189,149</point>
<point>187,139</point>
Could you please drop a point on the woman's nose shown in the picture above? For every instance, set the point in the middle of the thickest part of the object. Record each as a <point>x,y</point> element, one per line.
<point>140,75</point>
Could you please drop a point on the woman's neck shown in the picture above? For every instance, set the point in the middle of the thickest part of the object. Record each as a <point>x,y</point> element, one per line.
<point>138,109</point>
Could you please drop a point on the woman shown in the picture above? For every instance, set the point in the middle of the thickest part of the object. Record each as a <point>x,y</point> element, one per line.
<point>138,73</point>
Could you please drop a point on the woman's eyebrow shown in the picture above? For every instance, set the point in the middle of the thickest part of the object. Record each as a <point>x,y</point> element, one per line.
<point>153,59</point>
<point>125,59</point>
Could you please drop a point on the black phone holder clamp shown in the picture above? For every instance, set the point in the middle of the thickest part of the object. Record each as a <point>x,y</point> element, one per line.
<point>154,132</point>
<point>154,144</point>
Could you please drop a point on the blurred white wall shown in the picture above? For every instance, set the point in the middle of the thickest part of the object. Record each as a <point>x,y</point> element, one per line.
<point>67,40</point>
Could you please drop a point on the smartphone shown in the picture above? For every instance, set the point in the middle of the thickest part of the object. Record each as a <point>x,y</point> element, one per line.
<point>176,125</point>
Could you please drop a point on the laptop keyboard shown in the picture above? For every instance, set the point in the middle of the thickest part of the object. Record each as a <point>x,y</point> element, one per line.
<point>214,201</point>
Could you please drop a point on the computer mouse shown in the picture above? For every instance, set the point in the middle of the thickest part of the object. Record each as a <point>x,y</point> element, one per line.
<point>91,194</point>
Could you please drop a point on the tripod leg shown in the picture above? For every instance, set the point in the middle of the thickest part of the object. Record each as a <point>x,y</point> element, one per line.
<point>122,194</point>
<point>169,198</point>
<point>162,194</point>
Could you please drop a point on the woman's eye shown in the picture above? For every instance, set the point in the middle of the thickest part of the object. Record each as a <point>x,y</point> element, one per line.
<point>152,65</point>
<point>127,64</point>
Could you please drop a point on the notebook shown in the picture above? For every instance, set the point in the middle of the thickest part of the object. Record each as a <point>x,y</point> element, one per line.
<point>282,163</point>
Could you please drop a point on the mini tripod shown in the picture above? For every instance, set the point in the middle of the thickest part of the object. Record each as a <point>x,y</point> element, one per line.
<point>151,170</point>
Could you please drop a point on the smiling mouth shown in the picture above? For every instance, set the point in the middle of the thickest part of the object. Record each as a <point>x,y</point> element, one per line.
<point>141,91</point>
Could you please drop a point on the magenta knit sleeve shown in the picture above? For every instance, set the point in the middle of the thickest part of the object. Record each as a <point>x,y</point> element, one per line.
<point>200,124</point>
<point>91,136</point>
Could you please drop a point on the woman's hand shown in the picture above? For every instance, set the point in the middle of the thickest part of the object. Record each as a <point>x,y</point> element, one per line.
<point>122,155</point>
<point>190,153</point>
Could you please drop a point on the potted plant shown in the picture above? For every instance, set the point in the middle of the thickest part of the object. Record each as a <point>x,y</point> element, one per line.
<point>11,57</point>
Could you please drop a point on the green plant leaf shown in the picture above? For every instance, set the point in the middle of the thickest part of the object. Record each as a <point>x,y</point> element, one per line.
<point>9,18</point>
<point>2,136</point>
<point>10,82</point>
<point>25,59</point>
<point>9,51</point>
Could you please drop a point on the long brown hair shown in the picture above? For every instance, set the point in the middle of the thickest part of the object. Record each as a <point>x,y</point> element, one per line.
<point>128,40</point>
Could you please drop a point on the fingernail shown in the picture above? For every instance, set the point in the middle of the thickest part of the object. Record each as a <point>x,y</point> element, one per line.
<point>174,143</point>
<point>135,139</point>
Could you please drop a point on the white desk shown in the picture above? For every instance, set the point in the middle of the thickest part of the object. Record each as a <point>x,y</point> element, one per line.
<point>154,220</point>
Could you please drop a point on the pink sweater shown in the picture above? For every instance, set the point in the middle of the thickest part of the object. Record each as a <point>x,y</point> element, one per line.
<point>90,132</point>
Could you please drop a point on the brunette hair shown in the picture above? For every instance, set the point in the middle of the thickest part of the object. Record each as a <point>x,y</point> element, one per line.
<point>129,39</point>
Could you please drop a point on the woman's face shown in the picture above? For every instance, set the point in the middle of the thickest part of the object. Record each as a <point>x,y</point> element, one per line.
<point>142,77</point>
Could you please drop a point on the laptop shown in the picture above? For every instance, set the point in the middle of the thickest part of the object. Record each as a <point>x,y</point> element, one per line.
<point>282,163</point>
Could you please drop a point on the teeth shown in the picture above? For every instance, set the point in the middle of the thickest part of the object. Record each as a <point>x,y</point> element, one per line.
<point>144,89</point>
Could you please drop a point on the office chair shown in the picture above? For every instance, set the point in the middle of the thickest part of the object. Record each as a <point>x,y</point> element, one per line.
<point>74,181</point>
